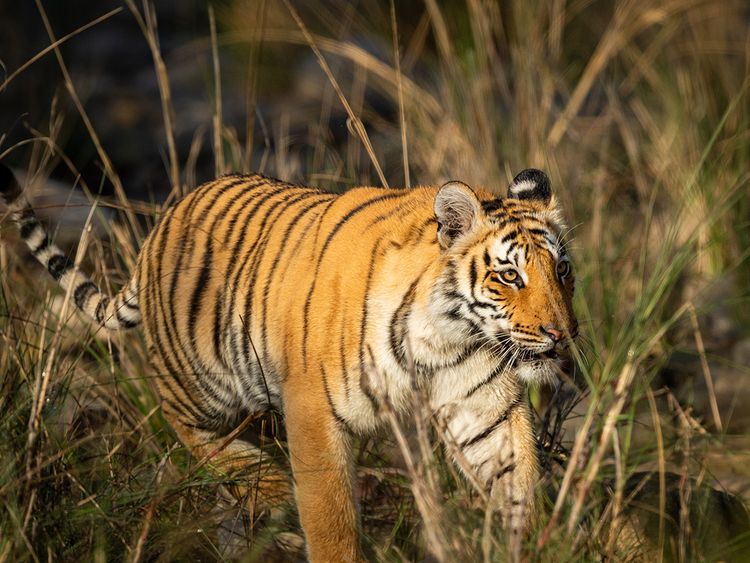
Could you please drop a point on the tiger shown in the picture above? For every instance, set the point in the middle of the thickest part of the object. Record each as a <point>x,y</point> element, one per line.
<point>334,308</point>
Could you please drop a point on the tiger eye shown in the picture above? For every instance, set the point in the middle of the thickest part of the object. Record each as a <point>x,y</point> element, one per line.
<point>509,276</point>
<point>563,269</point>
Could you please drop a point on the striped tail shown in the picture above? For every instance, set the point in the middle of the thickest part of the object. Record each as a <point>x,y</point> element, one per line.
<point>121,312</point>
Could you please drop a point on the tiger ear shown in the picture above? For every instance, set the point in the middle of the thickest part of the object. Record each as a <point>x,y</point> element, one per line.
<point>531,184</point>
<point>457,211</point>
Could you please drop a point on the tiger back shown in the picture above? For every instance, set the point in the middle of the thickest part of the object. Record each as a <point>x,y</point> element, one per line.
<point>256,294</point>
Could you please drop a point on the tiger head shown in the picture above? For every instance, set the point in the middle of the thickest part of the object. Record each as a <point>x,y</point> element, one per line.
<point>508,280</point>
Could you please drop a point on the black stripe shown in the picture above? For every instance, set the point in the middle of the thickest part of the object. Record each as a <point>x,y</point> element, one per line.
<point>493,374</point>
<point>184,360</point>
<point>449,275</point>
<point>491,428</point>
<point>507,219</point>
<point>191,355</point>
<point>321,220</point>
<point>399,320</point>
<point>83,292</point>
<point>364,386</point>
<point>267,284</point>
<point>456,312</point>
<point>535,231</point>
<point>27,222</point>
<point>492,205</point>
<point>196,409</point>
<point>478,305</point>
<point>492,288</point>
<point>339,419</point>
<point>152,273</point>
<point>125,323</point>
<point>303,235</point>
<point>510,236</point>
<point>351,213</point>
<point>200,418</point>
<point>416,233</point>
<point>250,188</point>
<point>509,468</point>
<point>236,269</point>
<point>157,292</point>
<point>342,357</point>
<point>58,265</point>
<point>374,256</point>
<point>239,206</point>
<point>259,249</point>
<point>220,295</point>
<point>179,410</point>
<point>199,291</point>
<point>390,213</point>
<point>100,309</point>
<point>217,339</point>
<point>193,412</point>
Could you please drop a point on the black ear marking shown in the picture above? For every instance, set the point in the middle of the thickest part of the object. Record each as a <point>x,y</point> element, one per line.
<point>531,184</point>
<point>457,211</point>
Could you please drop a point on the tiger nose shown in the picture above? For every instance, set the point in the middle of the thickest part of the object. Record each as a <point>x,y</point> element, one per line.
<point>552,332</point>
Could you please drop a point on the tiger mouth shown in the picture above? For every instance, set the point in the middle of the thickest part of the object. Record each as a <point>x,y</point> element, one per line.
<point>528,356</point>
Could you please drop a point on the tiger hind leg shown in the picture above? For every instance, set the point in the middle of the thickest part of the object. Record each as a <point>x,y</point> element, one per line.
<point>257,479</point>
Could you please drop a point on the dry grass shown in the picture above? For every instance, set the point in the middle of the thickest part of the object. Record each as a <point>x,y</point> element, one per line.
<point>639,112</point>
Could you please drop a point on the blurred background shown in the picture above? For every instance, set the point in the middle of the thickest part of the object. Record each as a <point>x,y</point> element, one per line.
<point>638,111</point>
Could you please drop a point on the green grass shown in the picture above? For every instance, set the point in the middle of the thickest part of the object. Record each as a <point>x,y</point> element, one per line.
<point>638,111</point>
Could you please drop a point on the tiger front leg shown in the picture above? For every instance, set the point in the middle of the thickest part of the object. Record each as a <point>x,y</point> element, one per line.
<point>512,483</point>
<point>320,455</point>
<point>496,448</point>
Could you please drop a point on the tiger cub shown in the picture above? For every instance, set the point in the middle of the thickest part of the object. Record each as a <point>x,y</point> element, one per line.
<point>255,294</point>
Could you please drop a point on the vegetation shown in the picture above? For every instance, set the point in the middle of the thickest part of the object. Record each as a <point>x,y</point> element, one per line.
<point>639,112</point>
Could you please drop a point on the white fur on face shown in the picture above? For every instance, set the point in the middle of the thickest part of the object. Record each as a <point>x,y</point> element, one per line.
<point>537,372</point>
